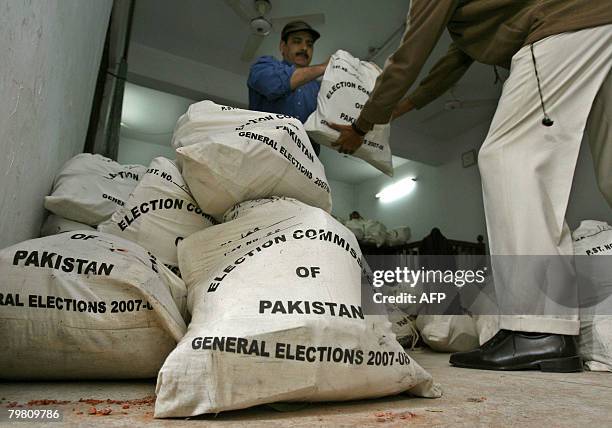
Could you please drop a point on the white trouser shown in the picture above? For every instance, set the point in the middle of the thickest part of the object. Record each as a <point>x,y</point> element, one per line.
<point>527,168</point>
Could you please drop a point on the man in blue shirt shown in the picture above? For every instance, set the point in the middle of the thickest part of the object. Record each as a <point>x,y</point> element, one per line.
<point>288,86</point>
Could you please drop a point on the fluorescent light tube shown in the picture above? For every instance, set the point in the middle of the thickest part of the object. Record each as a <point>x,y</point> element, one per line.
<point>397,190</point>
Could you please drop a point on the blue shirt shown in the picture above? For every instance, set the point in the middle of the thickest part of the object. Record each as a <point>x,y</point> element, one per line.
<point>270,89</point>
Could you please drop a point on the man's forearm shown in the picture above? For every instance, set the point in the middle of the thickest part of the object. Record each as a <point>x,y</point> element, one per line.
<point>304,75</point>
<point>426,21</point>
<point>444,74</point>
<point>402,107</point>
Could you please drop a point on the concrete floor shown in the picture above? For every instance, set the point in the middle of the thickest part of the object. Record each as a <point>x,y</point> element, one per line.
<point>471,398</point>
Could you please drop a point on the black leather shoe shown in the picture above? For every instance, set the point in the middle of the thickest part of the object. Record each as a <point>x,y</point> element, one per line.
<point>515,350</point>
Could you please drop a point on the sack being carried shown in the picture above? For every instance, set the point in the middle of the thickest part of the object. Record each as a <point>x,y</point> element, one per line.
<point>159,213</point>
<point>345,88</point>
<point>275,296</point>
<point>86,305</point>
<point>89,188</point>
<point>593,248</point>
<point>231,155</point>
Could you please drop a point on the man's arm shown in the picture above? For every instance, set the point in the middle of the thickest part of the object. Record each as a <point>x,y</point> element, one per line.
<point>270,78</point>
<point>274,79</point>
<point>447,71</point>
<point>427,20</point>
<point>304,75</point>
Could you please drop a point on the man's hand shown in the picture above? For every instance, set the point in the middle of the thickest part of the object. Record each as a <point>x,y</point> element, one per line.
<point>349,141</point>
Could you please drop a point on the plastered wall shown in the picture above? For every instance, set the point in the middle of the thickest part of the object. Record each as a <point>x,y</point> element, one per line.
<point>50,52</point>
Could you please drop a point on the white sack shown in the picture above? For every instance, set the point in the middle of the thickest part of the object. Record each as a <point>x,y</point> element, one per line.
<point>159,213</point>
<point>273,275</point>
<point>448,333</point>
<point>86,305</point>
<point>591,239</point>
<point>208,118</point>
<point>480,300</point>
<point>222,170</point>
<point>398,236</point>
<point>595,343</point>
<point>374,233</point>
<point>55,224</point>
<point>345,88</point>
<point>89,188</point>
<point>357,226</point>
<point>243,208</point>
<point>404,327</point>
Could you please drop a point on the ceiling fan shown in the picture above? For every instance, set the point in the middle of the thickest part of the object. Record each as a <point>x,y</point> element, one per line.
<point>261,26</point>
<point>455,103</point>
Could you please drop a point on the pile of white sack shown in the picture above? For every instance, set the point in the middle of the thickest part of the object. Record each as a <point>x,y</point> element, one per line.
<point>372,232</point>
<point>81,303</point>
<point>229,252</point>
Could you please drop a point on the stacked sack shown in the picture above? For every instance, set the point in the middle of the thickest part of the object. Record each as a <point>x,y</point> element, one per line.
<point>404,327</point>
<point>159,213</point>
<point>593,250</point>
<point>55,224</point>
<point>345,88</point>
<point>86,305</point>
<point>275,298</point>
<point>100,304</point>
<point>273,293</point>
<point>398,236</point>
<point>229,155</point>
<point>357,226</point>
<point>448,333</point>
<point>260,305</point>
<point>375,233</point>
<point>89,188</point>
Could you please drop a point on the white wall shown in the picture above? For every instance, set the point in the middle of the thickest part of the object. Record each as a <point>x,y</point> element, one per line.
<point>133,151</point>
<point>343,198</point>
<point>450,196</point>
<point>50,52</point>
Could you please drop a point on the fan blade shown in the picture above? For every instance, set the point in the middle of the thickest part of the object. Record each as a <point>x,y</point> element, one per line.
<point>238,10</point>
<point>250,48</point>
<point>312,19</point>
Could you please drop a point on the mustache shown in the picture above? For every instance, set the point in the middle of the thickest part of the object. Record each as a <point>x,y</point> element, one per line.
<point>302,53</point>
